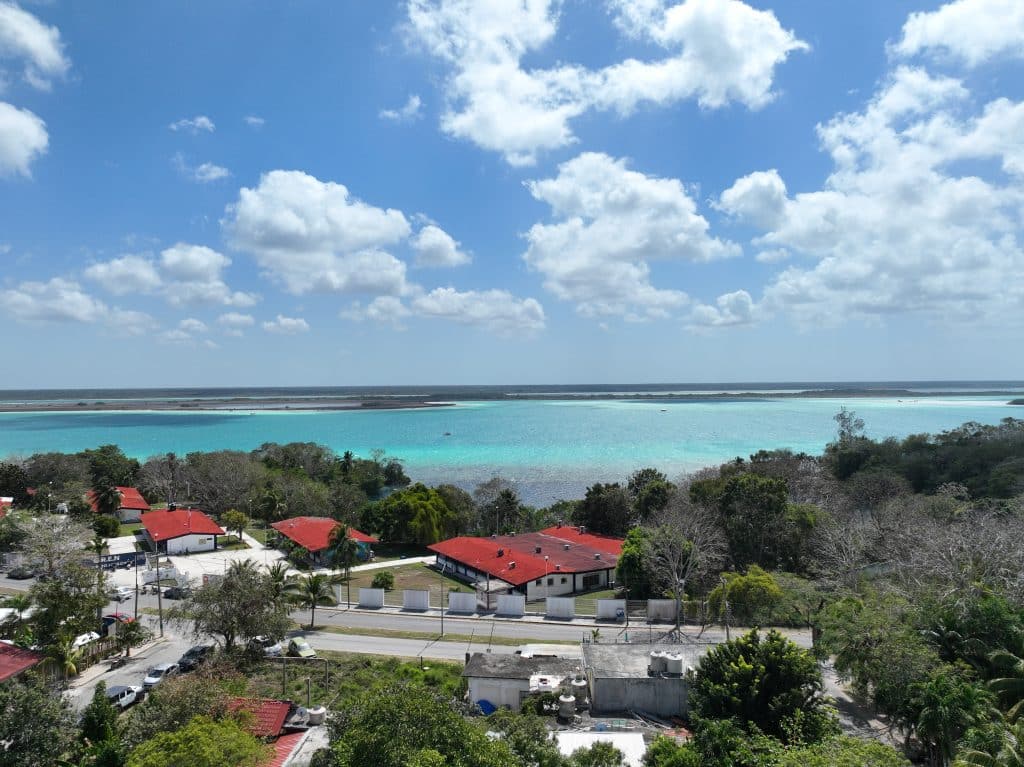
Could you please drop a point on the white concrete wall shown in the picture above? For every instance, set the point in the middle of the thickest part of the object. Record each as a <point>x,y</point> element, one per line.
<point>661,610</point>
<point>561,607</point>
<point>500,692</point>
<point>415,599</point>
<point>513,604</point>
<point>461,603</point>
<point>543,590</point>
<point>191,543</point>
<point>371,597</point>
<point>608,608</point>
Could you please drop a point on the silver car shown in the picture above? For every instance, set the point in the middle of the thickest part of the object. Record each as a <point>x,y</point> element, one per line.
<point>157,674</point>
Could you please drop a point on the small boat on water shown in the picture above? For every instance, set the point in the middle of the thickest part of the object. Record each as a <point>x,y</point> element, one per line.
<point>447,434</point>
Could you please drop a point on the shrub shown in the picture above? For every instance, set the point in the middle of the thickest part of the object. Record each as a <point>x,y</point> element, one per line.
<point>385,579</point>
<point>106,525</point>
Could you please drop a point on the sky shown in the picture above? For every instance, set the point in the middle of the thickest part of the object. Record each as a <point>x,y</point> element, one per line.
<point>248,192</point>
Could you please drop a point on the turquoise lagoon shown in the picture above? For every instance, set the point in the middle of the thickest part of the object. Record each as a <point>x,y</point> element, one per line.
<point>551,449</point>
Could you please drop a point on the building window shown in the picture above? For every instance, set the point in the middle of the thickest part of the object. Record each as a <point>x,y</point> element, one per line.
<point>563,579</point>
<point>551,581</point>
<point>590,581</point>
<point>538,582</point>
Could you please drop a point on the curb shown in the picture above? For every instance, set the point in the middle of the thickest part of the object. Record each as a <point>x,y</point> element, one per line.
<point>96,670</point>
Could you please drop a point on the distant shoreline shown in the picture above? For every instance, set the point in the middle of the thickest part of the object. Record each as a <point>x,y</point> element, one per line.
<point>235,404</point>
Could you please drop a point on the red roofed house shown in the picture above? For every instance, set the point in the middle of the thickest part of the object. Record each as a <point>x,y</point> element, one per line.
<point>132,504</point>
<point>314,534</point>
<point>15,661</point>
<point>181,531</point>
<point>6,502</point>
<point>553,562</point>
<point>274,721</point>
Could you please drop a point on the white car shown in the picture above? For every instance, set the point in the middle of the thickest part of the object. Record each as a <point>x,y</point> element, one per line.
<point>122,593</point>
<point>123,695</point>
<point>157,674</point>
<point>83,639</point>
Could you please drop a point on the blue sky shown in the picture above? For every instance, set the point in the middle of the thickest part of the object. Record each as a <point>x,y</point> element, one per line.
<point>511,191</point>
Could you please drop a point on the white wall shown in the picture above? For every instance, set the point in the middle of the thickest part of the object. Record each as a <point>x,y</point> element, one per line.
<point>542,590</point>
<point>608,608</point>
<point>561,607</point>
<point>415,599</point>
<point>191,543</point>
<point>500,692</point>
<point>371,597</point>
<point>513,604</point>
<point>661,610</point>
<point>459,602</point>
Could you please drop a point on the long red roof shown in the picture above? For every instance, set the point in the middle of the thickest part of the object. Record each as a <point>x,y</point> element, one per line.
<point>130,499</point>
<point>268,716</point>
<point>605,543</point>
<point>163,525</point>
<point>15,660</point>
<point>515,559</point>
<point>314,533</point>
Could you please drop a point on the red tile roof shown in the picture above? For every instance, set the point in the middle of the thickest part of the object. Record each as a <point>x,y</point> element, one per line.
<point>15,660</point>
<point>164,525</point>
<point>519,561</point>
<point>314,533</point>
<point>605,543</point>
<point>283,748</point>
<point>268,716</point>
<point>130,499</point>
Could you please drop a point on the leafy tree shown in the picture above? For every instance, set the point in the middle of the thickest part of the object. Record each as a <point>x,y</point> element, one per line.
<point>14,482</point>
<point>600,754</point>
<point>277,582</point>
<point>36,727</point>
<point>390,725</point>
<point>62,657</point>
<point>109,466</point>
<point>665,752</point>
<point>61,471</point>
<point>384,579</point>
<point>342,552</point>
<point>106,526</point>
<point>203,742</point>
<point>417,514</point>
<point>235,521</point>
<point>66,603</point>
<point>1009,684</point>
<point>310,592</point>
<point>107,499</point>
<point>235,608</point>
<point>1007,751</point>
<point>752,593</point>
<point>172,705</point>
<point>99,719</point>
<point>462,507</point>
<point>635,568</point>
<point>649,490</point>
<point>765,682</point>
<point>605,509</point>
<point>527,736</point>
<point>948,705</point>
<point>843,752</point>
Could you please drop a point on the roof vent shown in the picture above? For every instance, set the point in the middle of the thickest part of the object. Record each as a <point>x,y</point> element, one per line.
<point>565,546</point>
<point>536,549</point>
<point>583,529</point>
<point>511,565</point>
<point>558,567</point>
<point>597,556</point>
<point>501,552</point>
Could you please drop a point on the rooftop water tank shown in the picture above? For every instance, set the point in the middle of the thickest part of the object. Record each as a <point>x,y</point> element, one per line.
<point>658,662</point>
<point>674,664</point>
<point>566,706</point>
<point>579,690</point>
<point>316,715</point>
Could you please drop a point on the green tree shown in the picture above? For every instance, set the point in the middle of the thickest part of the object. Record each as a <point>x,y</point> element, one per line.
<point>173,704</point>
<point>948,705</point>
<point>66,602</point>
<point>277,582</point>
<point>342,552</point>
<point>634,569</point>
<point>109,466</point>
<point>765,682</point>
<point>107,499</point>
<point>665,752</point>
<point>649,490</point>
<point>605,509</point>
<point>235,521</point>
<point>1008,685</point>
<point>129,634</point>
<point>62,657</point>
<point>389,725</point>
<point>754,593</point>
<point>417,514</point>
<point>310,592</point>
<point>600,754</point>
<point>99,719</point>
<point>528,737</point>
<point>36,727</point>
<point>1008,751</point>
<point>203,742</point>
<point>843,752</point>
<point>383,579</point>
<point>106,525</point>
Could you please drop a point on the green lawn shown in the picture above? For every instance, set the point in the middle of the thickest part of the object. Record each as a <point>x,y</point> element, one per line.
<point>258,533</point>
<point>231,543</point>
<point>129,528</point>
<point>412,576</point>
<point>586,604</point>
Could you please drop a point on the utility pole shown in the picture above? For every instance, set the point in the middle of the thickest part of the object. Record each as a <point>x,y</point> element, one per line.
<point>725,612</point>
<point>159,592</point>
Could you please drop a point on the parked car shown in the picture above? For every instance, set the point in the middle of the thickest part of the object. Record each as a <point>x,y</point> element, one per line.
<point>123,695</point>
<point>178,592</point>
<point>83,639</point>
<point>268,646</point>
<point>298,647</point>
<point>111,618</point>
<point>157,674</point>
<point>194,657</point>
<point>122,593</point>
<point>20,573</point>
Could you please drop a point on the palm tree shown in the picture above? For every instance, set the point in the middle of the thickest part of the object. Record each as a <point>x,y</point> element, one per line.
<point>342,552</point>
<point>63,657</point>
<point>1010,688</point>
<point>19,603</point>
<point>271,507</point>
<point>97,545</point>
<point>129,634</point>
<point>311,591</point>
<point>1010,753</point>
<point>242,567</point>
<point>278,580</point>
<point>107,500</point>
<point>949,706</point>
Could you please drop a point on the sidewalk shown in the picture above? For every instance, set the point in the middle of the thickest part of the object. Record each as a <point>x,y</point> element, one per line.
<point>99,668</point>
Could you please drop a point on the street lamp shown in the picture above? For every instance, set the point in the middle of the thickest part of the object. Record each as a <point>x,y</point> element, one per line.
<point>547,593</point>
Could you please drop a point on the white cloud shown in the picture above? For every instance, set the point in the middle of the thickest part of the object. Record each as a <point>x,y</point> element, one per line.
<point>63,300</point>
<point>717,52</point>
<point>736,308</point>
<point>388,310</point>
<point>312,236</point>
<point>773,256</point>
<point>192,325</point>
<point>23,36</point>
<point>23,138</point>
<point>184,273</point>
<point>186,332</point>
<point>496,310</point>
<point>759,199</point>
<point>973,31</point>
<point>125,275</point>
<point>902,225</point>
<point>435,247</point>
<point>254,121</point>
<point>611,221</point>
<point>286,325</point>
<point>407,113</point>
<point>193,125</point>
<point>234,322</point>
<point>202,174</point>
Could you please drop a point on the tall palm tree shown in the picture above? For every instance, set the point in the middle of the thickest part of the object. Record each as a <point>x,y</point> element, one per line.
<point>342,552</point>
<point>63,657</point>
<point>1010,753</point>
<point>311,591</point>
<point>278,581</point>
<point>97,545</point>
<point>1009,689</point>
<point>19,603</point>
<point>107,499</point>
<point>950,705</point>
<point>129,634</point>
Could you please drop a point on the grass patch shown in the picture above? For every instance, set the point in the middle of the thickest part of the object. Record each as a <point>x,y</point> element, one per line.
<point>233,544</point>
<point>386,552</point>
<point>412,576</point>
<point>257,533</point>
<point>586,604</point>
<point>129,528</point>
<point>483,636</point>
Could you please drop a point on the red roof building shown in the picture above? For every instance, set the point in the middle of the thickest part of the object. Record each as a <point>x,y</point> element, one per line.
<point>314,533</point>
<point>268,716</point>
<point>552,562</point>
<point>132,503</point>
<point>181,530</point>
<point>6,502</point>
<point>15,660</point>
